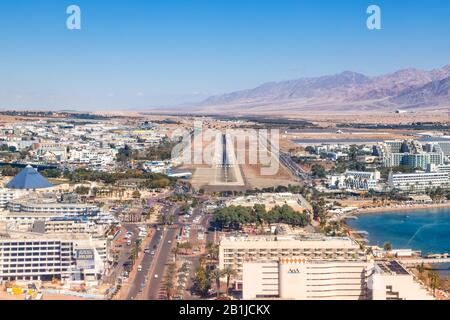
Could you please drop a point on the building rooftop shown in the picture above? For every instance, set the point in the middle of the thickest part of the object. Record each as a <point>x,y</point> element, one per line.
<point>392,267</point>
<point>300,241</point>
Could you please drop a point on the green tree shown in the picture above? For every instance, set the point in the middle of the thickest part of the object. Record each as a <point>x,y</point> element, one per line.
<point>215,275</point>
<point>51,173</point>
<point>434,280</point>
<point>82,190</point>
<point>387,246</point>
<point>202,283</point>
<point>318,171</point>
<point>136,194</point>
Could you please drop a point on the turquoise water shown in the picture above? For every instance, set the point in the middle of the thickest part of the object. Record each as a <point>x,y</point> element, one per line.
<point>424,230</point>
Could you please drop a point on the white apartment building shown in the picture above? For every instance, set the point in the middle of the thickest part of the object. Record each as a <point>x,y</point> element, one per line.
<point>157,166</point>
<point>355,180</point>
<point>7,195</point>
<point>391,281</point>
<point>35,256</point>
<point>41,205</point>
<point>418,182</point>
<point>305,279</point>
<point>71,225</point>
<point>26,211</point>
<point>439,168</point>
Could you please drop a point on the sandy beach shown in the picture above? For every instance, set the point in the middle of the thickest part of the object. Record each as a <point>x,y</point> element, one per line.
<point>403,208</point>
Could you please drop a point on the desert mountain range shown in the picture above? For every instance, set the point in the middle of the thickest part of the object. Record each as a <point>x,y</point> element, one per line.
<point>408,89</point>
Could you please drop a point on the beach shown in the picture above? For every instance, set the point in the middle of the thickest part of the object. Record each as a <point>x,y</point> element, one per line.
<point>402,208</point>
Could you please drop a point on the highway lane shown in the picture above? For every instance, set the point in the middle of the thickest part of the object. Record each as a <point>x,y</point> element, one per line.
<point>136,285</point>
<point>156,265</point>
<point>158,262</point>
<point>295,169</point>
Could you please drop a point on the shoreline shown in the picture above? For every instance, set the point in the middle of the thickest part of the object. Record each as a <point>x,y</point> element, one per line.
<point>401,208</point>
<point>356,235</point>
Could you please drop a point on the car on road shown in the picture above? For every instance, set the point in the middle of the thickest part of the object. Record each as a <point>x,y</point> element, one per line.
<point>169,242</point>
<point>156,276</point>
<point>139,268</point>
<point>147,250</point>
<point>129,243</point>
<point>152,253</point>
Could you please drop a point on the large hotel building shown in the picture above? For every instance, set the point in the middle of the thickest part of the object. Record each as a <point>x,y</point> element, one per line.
<point>234,251</point>
<point>35,256</point>
<point>305,279</point>
<point>312,266</point>
<point>419,181</point>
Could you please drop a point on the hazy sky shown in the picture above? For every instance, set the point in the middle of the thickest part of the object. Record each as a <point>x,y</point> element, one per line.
<point>133,53</point>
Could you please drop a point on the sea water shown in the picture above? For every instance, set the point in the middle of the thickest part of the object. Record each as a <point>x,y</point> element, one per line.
<point>425,230</point>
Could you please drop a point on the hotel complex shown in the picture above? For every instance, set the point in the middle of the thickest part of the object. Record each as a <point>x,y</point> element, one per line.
<point>45,237</point>
<point>34,256</point>
<point>356,180</point>
<point>419,181</point>
<point>307,279</point>
<point>313,266</point>
<point>234,251</point>
<point>410,153</point>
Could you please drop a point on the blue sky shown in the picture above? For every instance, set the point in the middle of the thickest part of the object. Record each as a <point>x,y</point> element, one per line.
<point>137,54</point>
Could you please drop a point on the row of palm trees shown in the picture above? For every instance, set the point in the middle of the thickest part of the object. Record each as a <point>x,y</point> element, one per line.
<point>207,274</point>
<point>185,246</point>
<point>204,278</point>
<point>168,284</point>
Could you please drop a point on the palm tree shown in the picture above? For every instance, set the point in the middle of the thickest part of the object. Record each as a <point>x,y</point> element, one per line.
<point>202,261</point>
<point>434,280</point>
<point>229,273</point>
<point>168,287</point>
<point>176,250</point>
<point>215,275</point>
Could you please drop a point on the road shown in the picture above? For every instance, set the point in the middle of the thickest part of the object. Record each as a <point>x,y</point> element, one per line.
<point>155,264</point>
<point>135,286</point>
<point>145,286</point>
<point>124,252</point>
<point>160,264</point>
<point>294,167</point>
<point>158,244</point>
